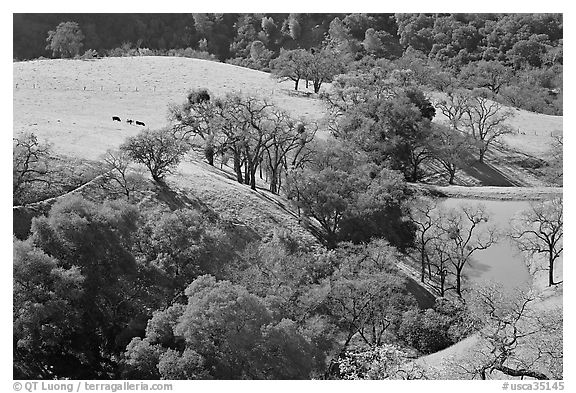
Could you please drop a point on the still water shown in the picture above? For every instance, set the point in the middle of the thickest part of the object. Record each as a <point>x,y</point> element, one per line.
<point>501,262</point>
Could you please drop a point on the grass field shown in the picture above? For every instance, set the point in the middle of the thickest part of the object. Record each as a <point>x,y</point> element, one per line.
<point>50,100</point>
<point>71,102</point>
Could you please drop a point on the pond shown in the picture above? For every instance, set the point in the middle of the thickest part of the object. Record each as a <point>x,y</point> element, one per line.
<point>501,262</point>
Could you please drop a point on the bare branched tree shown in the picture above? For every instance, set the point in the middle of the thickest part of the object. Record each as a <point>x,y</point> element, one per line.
<point>29,163</point>
<point>193,118</point>
<point>120,176</point>
<point>461,232</point>
<point>518,339</point>
<point>485,119</point>
<point>539,231</point>
<point>424,215</point>
<point>477,114</point>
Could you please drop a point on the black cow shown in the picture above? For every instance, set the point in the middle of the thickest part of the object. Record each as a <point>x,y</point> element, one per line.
<point>129,121</point>
<point>139,123</point>
<point>116,118</point>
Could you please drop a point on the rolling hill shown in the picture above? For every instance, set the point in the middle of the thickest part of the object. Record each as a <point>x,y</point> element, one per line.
<point>71,103</point>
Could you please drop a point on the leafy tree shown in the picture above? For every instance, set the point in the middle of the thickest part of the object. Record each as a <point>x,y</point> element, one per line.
<point>294,26</point>
<point>183,245</point>
<point>426,331</point>
<point>46,315</point>
<point>451,149</point>
<point>245,35</point>
<point>325,196</point>
<point>415,30</point>
<point>555,168</point>
<point>187,365</point>
<point>291,65</point>
<point>140,360</point>
<point>323,66</point>
<point>269,26</point>
<point>160,151</point>
<point>97,239</point>
<point>380,363</point>
<point>227,333</point>
<point>492,75</point>
<point>527,52</point>
<point>539,230</point>
<point>66,40</point>
<point>436,328</point>
<point>383,114</point>
<point>351,200</point>
<point>372,42</point>
<point>367,296</point>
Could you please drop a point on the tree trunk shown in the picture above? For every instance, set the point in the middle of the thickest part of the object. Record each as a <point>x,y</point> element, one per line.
<point>247,172</point>
<point>459,282</point>
<point>442,283</point>
<point>452,174</point>
<point>423,262</point>
<point>238,168</point>
<point>253,178</point>
<point>482,153</point>
<point>551,270</point>
<point>273,182</point>
<point>296,84</point>
<point>209,154</point>
<point>414,174</point>
<point>317,85</point>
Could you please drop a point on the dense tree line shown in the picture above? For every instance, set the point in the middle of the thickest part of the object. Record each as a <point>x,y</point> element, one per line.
<point>518,57</point>
<point>456,38</point>
<point>108,291</point>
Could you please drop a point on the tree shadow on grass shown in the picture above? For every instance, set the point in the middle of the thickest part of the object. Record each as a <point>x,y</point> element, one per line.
<point>488,175</point>
<point>239,234</point>
<point>177,199</point>
<point>424,298</point>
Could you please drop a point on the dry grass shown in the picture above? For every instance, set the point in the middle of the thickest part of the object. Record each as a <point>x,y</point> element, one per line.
<point>51,101</point>
<point>533,132</point>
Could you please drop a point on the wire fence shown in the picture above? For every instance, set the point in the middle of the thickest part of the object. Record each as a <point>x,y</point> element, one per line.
<point>107,88</point>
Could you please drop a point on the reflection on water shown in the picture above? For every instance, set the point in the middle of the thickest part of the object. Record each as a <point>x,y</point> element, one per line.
<point>501,262</point>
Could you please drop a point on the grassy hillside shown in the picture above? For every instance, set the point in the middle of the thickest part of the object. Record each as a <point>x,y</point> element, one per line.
<point>71,102</point>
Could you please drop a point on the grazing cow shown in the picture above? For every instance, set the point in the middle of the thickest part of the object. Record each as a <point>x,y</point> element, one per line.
<point>129,121</point>
<point>139,123</point>
<point>116,118</point>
